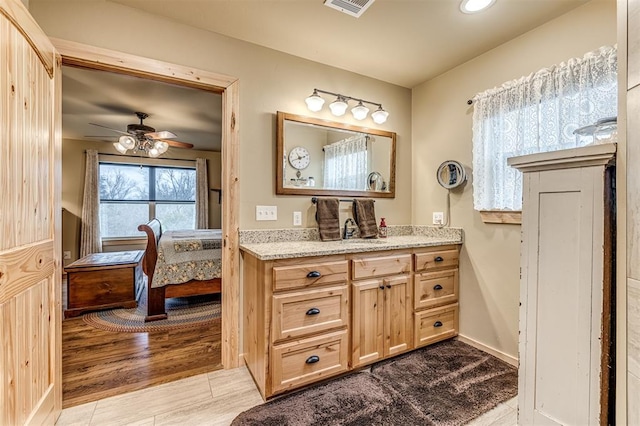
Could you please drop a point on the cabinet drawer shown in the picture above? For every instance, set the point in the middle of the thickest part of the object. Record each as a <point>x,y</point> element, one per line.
<point>311,311</point>
<point>370,267</point>
<point>100,287</point>
<point>436,260</point>
<point>435,288</point>
<point>435,324</point>
<point>309,360</point>
<point>313,274</point>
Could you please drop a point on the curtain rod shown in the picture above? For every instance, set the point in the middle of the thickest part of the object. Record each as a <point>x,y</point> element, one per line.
<point>140,156</point>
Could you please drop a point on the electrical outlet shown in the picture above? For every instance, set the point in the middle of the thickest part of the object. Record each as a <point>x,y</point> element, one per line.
<point>66,255</point>
<point>297,218</point>
<point>266,213</point>
<point>438,218</point>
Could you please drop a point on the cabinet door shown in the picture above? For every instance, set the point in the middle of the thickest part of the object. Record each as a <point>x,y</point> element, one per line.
<point>561,297</point>
<point>367,331</point>
<point>397,318</point>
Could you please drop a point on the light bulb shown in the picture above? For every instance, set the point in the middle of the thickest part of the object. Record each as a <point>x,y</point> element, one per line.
<point>473,6</point>
<point>360,111</point>
<point>127,141</point>
<point>314,102</point>
<point>153,153</point>
<point>161,146</point>
<point>379,116</point>
<point>121,149</point>
<point>338,107</point>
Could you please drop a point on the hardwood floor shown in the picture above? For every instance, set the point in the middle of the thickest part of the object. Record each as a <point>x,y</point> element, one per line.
<point>97,364</point>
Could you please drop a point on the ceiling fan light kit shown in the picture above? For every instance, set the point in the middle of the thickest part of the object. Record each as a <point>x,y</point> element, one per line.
<point>339,106</point>
<point>143,138</point>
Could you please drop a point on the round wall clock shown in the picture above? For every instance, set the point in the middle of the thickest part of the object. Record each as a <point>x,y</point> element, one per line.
<point>299,158</point>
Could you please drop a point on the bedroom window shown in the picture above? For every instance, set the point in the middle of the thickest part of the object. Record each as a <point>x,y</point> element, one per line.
<point>131,195</point>
<point>537,113</point>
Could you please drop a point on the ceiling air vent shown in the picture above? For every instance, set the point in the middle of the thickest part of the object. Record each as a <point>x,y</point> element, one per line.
<point>350,7</point>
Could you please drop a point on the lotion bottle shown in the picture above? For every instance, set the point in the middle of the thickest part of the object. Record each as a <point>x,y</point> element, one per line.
<point>382,229</point>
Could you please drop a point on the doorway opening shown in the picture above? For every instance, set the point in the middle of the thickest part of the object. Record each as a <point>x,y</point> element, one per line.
<point>88,57</point>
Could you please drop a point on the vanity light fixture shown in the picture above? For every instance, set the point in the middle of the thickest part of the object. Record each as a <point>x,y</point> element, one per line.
<point>340,105</point>
<point>314,102</point>
<point>473,6</point>
<point>360,111</point>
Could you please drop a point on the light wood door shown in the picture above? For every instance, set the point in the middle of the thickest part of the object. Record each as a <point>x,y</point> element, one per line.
<point>368,322</point>
<point>397,315</point>
<point>30,310</point>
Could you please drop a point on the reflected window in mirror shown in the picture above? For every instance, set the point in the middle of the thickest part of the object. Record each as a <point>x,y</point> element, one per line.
<point>322,157</point>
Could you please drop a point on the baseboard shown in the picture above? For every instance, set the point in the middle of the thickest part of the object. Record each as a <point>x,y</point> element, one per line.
<point>501,355</point>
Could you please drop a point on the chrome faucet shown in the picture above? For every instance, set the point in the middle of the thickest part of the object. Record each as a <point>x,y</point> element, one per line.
<point>348,232</point>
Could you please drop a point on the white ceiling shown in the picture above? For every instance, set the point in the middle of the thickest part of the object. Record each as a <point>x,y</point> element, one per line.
<point>403,42</point>
<point>111,100</point>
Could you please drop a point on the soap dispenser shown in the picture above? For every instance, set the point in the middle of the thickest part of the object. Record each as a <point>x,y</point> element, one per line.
<point>382,229</point>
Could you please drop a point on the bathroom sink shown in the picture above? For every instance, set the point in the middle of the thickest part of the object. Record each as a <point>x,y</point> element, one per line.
<point>363,241</point>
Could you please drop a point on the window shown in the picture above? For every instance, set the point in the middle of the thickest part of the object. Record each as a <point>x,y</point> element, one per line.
<point>345,164</point>
<point>538,113</point>
<point>133,194</point>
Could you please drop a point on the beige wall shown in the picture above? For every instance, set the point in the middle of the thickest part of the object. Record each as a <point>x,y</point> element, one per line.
<point>442,130</point>
<point>270,81</point>
<point>73,166</point>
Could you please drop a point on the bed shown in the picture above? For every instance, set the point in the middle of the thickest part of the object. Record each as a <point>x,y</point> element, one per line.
<point>180,264</point>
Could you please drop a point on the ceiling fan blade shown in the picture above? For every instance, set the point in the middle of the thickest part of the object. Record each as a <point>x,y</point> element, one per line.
<point>165,134</point>
<point>177,144</point>
<point>109,128</point>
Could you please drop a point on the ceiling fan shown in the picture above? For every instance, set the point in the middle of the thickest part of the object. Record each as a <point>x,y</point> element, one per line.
<point>143,138</point>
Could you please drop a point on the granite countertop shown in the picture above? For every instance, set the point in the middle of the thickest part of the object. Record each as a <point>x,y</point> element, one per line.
<point>295,249</point>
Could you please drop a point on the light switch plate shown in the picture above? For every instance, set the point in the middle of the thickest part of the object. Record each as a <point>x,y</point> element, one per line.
<point>266,212</point>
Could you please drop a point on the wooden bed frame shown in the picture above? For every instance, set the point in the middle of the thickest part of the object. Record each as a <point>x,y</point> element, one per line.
<point>157,295</point>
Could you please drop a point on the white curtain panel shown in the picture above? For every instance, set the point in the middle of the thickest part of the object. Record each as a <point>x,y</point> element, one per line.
<point>537,113</point>
<point>90,241</point>
<point>345,164</point>
<point>202,194</point>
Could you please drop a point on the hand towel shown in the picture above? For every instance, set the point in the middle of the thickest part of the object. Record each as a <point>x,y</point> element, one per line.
<point>365,216</point>
<point>328,218</point>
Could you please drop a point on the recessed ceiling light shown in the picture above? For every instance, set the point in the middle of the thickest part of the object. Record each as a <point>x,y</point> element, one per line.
<point>473,6</point>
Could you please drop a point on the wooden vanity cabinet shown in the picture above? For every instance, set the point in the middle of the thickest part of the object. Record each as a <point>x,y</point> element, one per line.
<point>311,318</point>
<point>382,309</point>
<point>435,294</point>
<point>296,320</point>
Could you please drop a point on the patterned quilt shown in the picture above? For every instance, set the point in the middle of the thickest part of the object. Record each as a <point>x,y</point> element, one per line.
<point>188,255</point>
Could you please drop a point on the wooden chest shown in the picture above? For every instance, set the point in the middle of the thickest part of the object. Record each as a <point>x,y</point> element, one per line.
<point>104,281</point>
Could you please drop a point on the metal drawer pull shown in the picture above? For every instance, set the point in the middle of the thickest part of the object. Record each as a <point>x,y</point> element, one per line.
<point>313,311</point>
<point>438,259</point>
<point>388,285</point>
<point>381,287</point>
<point>437,287</point>
<point>437,324</point>
<point>312,359</point>
<point>314,274</point>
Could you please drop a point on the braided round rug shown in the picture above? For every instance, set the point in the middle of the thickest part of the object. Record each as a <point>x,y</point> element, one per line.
<point>183,312</point>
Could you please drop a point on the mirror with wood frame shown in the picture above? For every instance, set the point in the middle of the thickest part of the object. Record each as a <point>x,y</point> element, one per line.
<point>322,157</point>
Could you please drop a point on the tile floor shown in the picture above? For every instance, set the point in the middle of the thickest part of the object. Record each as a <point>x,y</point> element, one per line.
<point>214,398</point>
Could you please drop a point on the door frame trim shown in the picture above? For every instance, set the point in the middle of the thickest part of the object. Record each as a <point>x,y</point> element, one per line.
<point>86,56</point>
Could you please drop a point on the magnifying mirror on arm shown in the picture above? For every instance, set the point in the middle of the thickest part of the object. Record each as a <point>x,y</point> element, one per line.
<point>451,174</point>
